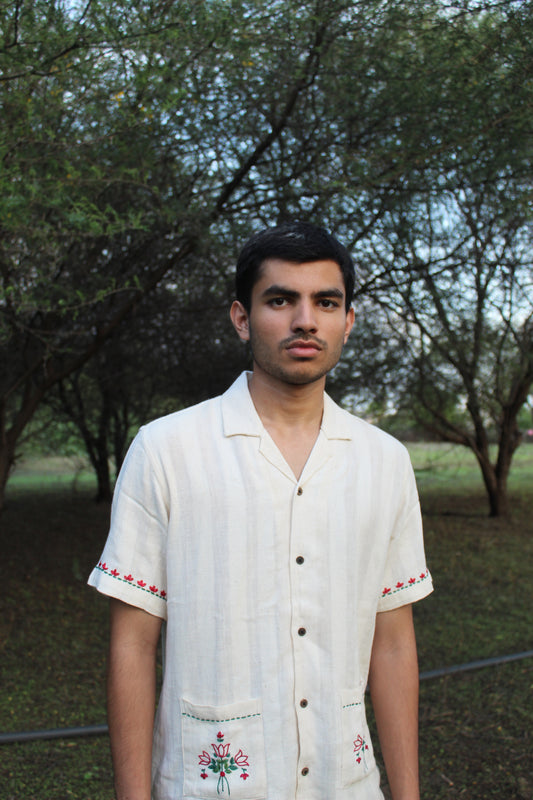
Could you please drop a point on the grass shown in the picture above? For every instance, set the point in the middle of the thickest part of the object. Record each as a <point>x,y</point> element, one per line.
<point>52,472</point>
<point>476,739</point>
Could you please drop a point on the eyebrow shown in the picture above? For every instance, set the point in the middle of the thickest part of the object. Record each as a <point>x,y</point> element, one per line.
<point>276,290</point>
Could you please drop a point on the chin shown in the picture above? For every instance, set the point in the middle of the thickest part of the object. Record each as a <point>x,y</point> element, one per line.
<point>302,378</point>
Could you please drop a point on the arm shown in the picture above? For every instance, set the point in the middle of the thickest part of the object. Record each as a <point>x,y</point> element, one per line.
<point>393,681</point>
<point>131,697</point>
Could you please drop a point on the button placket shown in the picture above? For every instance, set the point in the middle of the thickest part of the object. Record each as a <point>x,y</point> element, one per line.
<point>301,588</point>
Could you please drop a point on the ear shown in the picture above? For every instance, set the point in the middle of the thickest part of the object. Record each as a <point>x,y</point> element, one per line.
<point>240,320</point>
<point>350,319</point>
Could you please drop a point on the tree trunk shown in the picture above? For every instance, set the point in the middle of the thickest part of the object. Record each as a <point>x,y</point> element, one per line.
<point>97,449</point>
<point>498,500</point>
<point>10,436</point>
<point>495,481</point>
<point>101,468</point>
<point>6,462</point>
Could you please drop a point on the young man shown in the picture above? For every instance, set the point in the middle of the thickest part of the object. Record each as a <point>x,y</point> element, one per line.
<point>278,539</point>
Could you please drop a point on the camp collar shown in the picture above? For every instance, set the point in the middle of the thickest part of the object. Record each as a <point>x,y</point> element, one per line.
<point>240,417</point>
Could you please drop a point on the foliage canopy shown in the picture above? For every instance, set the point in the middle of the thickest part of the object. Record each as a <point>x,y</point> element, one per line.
<point>141,142</point>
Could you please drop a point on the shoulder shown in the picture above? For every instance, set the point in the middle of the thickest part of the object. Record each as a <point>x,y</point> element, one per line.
<point>377,436</point>
<point>362,433</point>
<point>167,446</point>
<point>183,424</point>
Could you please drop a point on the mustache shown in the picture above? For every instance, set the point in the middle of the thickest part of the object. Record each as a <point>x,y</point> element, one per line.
<point>305,338</point>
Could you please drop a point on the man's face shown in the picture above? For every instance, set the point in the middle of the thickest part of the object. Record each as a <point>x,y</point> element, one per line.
<point>297,323</point>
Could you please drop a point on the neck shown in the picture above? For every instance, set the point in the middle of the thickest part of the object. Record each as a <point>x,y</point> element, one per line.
<point>287,405</point>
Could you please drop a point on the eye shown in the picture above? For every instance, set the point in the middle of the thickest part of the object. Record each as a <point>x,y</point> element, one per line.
<point>278,302</point>
<point>327,303</point>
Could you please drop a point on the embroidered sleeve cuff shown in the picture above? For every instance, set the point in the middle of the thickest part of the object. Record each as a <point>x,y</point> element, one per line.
<point>408,590</point>
<point>129,588</point>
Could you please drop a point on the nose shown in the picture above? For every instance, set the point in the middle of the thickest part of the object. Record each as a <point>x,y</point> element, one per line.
<point>304,318</point>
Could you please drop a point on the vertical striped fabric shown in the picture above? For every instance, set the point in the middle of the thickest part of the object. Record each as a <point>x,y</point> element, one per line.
<point>269,587</point>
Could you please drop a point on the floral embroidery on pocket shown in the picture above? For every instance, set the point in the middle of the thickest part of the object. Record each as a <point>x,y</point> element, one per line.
<point>357,759</point>
<point>222,763</point>
<point>359,747</point>
<point>223,751</point>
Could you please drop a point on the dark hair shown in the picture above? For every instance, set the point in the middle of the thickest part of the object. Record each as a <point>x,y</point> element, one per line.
<point>297,242</point>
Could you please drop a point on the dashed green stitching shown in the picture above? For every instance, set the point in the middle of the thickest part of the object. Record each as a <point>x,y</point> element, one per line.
<point>229,719</point>
<point>153,591</point>
<point>401,585</point>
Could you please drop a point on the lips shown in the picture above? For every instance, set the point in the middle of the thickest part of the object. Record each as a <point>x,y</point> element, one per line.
<point>303,347</point>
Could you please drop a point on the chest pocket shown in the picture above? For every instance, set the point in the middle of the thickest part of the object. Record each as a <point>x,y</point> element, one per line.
<point>357,759</point>
<point>223,751</point>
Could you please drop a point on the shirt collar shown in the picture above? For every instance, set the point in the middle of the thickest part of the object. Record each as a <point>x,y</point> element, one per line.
<point>240,417</point>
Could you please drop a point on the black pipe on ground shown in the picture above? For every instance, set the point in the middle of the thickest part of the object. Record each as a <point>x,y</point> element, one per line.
<point>484,662</point>
<point>53,733</point>
<point>100,730</point>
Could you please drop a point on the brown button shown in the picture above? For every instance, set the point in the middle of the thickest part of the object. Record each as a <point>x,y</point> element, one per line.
<point>305,771</point>
<point>303,703</point>
<point>301,631</point>
<point>300,559</point>
<point>300,490</point>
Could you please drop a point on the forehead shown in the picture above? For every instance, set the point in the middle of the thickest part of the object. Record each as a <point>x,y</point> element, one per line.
<point>309,276</point>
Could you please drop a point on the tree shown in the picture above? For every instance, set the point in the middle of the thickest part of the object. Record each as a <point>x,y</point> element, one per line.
<point>158,361</point>
<point>125,144</point>
<point>458,309</point>
<point>143,140</point>
<point>446,270</point>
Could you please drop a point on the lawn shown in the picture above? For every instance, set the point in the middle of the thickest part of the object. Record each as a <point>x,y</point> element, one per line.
<point>476,739</point>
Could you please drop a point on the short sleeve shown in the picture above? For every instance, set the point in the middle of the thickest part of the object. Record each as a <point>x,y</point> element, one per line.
<point>132,567</point>
<point>406,577</point>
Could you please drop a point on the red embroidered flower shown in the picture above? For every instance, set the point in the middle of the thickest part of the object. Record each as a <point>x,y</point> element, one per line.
<point>386,590</point>
<point>221,750</point>
<point>163,593</point>
<point>102,566</point>
<point>422,576</point>
<point>412,580</point>
<point>141,583</point>
<point>359,746</point>
<point>115,573</point>
<point>128,577</point>
<point>223,764</point>
<point>153,589</point>
<point>399,585</point>
<point>241,760</point>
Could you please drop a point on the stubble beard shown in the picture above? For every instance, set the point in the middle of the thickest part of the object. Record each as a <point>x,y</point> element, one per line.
<point>301,372</point>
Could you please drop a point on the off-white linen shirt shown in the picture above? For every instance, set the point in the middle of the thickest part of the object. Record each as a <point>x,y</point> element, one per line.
<point>269,587</point>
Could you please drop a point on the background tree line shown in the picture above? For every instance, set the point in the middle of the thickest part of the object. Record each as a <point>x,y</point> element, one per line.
<point>142,142</point>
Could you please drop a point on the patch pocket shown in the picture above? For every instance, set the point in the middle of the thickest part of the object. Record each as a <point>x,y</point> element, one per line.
<point>357,759</point>
<point>223,751</point>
